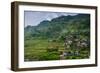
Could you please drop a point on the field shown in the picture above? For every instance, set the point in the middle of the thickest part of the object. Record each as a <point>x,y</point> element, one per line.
<point>43,49</point>
<point>37,49</point>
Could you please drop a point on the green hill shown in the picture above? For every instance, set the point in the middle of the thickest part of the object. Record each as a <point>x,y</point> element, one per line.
<point>60,26</point>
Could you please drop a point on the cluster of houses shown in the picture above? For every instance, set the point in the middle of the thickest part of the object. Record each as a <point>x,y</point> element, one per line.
<point>73,45</point>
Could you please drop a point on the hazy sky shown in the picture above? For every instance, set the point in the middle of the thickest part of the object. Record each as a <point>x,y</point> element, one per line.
<point>33,18</point>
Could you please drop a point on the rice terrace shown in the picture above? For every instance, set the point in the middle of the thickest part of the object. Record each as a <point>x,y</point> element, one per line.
<point>56,36</point>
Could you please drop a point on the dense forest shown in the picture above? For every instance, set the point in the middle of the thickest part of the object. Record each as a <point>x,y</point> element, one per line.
<point>63,37</point>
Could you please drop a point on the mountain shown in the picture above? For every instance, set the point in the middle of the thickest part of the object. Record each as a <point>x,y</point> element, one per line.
<point>60,26</point>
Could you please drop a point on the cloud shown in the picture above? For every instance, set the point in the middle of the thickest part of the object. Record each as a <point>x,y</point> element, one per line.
<point>33,18</point>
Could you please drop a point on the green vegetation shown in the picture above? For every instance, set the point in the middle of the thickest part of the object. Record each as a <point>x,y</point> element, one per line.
<point>64,37</point>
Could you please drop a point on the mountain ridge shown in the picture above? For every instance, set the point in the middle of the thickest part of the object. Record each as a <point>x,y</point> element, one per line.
<point>59,26</point>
